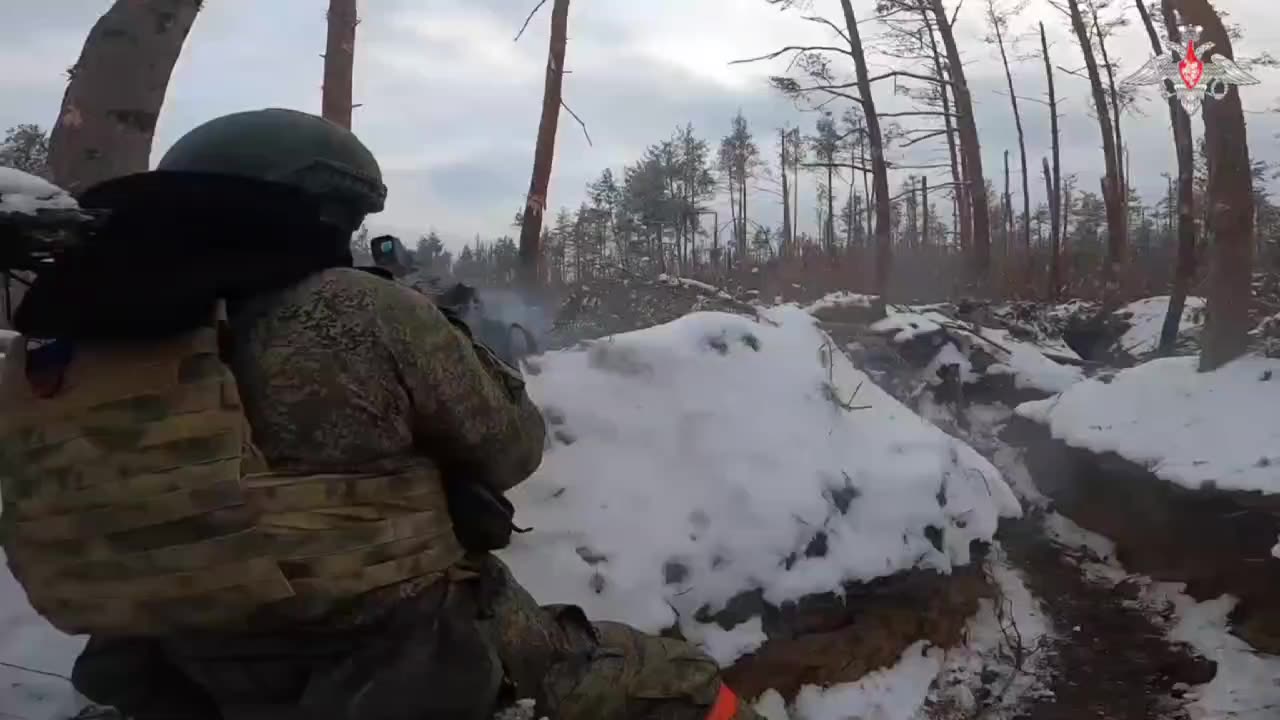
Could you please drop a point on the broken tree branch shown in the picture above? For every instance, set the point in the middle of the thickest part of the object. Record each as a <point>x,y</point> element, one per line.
<point>527,20</point>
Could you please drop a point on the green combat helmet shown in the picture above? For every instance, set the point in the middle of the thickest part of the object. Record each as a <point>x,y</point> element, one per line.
<point>291,148</point>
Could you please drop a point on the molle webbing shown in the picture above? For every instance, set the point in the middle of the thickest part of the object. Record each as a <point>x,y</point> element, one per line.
<point>135,503</point>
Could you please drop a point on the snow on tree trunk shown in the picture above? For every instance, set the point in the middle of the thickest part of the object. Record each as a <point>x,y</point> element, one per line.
<point>544,151</point>
<point>339,58</point>
<point>879,170</point>
<point>109,112</point>
<point>1230,201</point>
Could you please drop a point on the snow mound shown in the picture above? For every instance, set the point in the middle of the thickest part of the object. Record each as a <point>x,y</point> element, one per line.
<point>716,455</point>
<point>1190,428</point>
<point>842,299</point>
<point>1145,318</point>
<point>1024,360</point>
<point>24,193</point>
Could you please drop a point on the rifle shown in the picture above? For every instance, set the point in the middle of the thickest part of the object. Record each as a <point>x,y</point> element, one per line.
<point>511,342</point>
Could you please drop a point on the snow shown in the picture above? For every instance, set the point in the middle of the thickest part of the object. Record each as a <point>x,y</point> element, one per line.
<point>907,326</point>
<point>1028,364</point>
<point>1189,428</point>
<point>21,192</point>
<point>1146,317</point>
<point>1024,360</point>
<point>1245,685</point>
<point>694,285</point>
<point>842,299</point>
<point>896,693</point>
<point>26,640</point>
<point>697,460</point>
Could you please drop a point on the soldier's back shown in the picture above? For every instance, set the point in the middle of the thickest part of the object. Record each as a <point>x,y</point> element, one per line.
<point>319,384</point>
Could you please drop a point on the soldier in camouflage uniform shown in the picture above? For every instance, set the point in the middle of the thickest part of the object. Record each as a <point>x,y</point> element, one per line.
<point>333,561</point>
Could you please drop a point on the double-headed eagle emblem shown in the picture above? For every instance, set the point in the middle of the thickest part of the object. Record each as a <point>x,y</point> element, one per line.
<point>1191,77</point>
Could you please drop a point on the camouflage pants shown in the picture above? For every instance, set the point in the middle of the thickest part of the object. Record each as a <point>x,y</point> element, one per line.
<point>459,649</point>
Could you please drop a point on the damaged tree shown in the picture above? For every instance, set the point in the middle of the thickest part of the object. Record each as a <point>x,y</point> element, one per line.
<point>998,18</point>
<point>962,208</point>
<point>1053,180</point>
<point>970,148</point>
<point>544,151</point>
<point>1113,195</point>
<point>339,60</point>
<point>1185,266</point>
<point>109,112</point>
<point>879,170</point>
<point>813,60</point>
<point>1230,201</point>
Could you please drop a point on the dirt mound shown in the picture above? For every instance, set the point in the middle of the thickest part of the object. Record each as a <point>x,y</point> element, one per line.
<point>828,639</point>
<point>1214,541</point>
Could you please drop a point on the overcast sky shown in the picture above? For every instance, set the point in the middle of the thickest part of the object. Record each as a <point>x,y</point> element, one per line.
<point>450,104</point>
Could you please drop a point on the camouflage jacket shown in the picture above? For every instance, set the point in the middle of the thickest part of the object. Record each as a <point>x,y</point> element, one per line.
<point>346,371</point>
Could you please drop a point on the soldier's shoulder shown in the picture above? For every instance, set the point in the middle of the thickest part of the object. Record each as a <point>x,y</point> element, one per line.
<point>350,289</point>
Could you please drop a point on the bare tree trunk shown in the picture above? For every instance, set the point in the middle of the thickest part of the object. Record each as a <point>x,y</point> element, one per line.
<point>1054,286</point>
<point>1065,211</point>
<point>742,201</point>
<point>339,60</point>
<point>1055,188</point>
<point>1226,331</point>
<point>879,170</point>
<point>866,187</point>
<point>924,211</point>
<point>109,112</point>
<point>831,206</point>
<point>786,195</point>
<point>1017,121</point>
<point>962,209</point>
<point>544,152</point>
<point>853,211</point>
<point>1112,186</point>
<point>969,144</point>
<point>1008,208</point>
<point>1185,266</point>
<point>1123,169</point>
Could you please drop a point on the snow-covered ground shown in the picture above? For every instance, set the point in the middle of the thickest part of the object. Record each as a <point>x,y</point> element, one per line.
<point>1027,362</point>
<point>29,647</point>
<point>1187,427</point>
<point>841,299</point>
<point>700,459</point>
<point>1146,318</point>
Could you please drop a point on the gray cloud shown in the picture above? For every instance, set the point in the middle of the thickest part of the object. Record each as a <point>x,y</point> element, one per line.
<point>450,103</point>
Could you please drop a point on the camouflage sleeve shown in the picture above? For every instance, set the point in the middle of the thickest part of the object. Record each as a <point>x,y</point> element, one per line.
<point>471,411</point>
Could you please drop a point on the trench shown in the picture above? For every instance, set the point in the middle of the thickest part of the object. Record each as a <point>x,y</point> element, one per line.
<point>1109,657</point>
